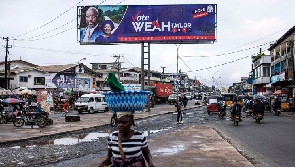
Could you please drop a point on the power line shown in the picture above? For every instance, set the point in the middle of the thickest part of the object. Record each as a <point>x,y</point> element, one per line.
<point>257,40</point>
<point>51,20</point>
<point>47,36</point>
<point>61,51</point>
<point>55,28</point>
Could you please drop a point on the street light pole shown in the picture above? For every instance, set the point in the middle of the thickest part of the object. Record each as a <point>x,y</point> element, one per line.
<point>213,77</point>
<point>79,72</point>
<point>177,57</point>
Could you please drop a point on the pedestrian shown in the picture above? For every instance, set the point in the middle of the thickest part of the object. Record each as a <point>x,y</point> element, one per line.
<point>184,100</point>
<point>179,113</point>
<point>127,147</point>
<point>66,108</point>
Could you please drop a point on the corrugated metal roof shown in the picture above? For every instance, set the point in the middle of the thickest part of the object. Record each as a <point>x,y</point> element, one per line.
<point>281,39</point>
<point>22,69</point>
<point>21,61</point>
<point>56,68</point>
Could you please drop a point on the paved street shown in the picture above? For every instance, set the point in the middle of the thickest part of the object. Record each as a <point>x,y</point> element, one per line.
<point>191,146</point>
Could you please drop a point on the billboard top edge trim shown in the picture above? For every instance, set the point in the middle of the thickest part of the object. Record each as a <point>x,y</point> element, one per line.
<point>144,5</point>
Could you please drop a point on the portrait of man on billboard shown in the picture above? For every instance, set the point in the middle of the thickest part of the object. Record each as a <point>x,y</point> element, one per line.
<point>93,29</point>
<point>98,24</point>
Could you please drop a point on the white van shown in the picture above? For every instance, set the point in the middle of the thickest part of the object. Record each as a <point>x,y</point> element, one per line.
<point>91,103</point>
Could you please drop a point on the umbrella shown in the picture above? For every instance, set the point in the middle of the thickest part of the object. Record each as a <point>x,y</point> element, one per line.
<point>26,91</point>
<point>278,92</point>
<point>268,92</point>
<point>12,100</point>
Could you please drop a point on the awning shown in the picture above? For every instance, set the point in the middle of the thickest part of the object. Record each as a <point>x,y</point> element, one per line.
<point>279,92</point>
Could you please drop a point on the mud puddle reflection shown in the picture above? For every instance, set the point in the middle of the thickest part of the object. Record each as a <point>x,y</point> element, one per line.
<point>75,139</point>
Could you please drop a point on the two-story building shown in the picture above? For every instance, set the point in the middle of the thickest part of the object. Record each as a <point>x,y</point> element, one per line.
<point>74,77</point>
<point>261,73</point>
<point>281,62</point>
<point>125,75</point>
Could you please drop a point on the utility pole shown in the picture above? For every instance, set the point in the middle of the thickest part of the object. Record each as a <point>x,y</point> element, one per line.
<point>293,69</point>
<point>162,72</point>
<point>118,59</point>
<point>6,66</point>
<point>177,58</point>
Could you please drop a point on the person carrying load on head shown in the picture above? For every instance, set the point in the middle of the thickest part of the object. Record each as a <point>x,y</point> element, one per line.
<point>127,147</point>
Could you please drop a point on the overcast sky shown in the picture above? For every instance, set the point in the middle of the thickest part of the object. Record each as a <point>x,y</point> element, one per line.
<point>243,27</point>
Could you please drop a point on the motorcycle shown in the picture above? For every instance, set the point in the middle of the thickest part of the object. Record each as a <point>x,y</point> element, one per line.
<point>38,118</point>
<point>249,112</point>
<point>237,118</point>
<point>276,111</point>
<point>4,117</point>
<point>258,117</point>
<point>114,120</point>
<point>222,111</point>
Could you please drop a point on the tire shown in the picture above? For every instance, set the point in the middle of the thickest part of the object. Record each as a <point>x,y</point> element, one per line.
<point>41,121</point>
<point>18,122</point>
<point>258,121</point>
<point>113,121</point>
<point>3,120</point>
<point>91,110</point>
<point>237,123</point>
<point>222,116</point>
<point>106,109</point>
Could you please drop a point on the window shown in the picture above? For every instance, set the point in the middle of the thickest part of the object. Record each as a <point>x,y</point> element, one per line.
<point>265,71</point>
<point>94,66</point>
<point>23,79</point>
<point>39,81</point>
<point>91,99</point>
<point>103,66</point>
<point>97,99</point>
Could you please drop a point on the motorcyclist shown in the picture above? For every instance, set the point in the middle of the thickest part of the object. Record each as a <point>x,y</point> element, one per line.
<point>39,108</point>
<point>235,108</point>
<point>258,107</point>
<point>276,105</point>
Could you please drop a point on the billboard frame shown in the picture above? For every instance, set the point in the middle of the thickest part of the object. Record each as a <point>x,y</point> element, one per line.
<point>175,41</point>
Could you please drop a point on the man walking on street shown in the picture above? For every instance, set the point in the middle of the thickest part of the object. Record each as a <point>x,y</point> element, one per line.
<point>179,113</point>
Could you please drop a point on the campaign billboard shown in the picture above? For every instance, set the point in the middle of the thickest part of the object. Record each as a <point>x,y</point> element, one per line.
<point>185,23</point>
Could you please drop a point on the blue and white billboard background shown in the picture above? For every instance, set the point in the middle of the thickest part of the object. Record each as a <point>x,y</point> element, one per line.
<point>189,23</point>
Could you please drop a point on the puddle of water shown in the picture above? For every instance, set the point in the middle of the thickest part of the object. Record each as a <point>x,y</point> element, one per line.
<point>68,140</point>
<point>29,126</point>
<point>170,151</point>
<point>74,139</point>
<point>196,141</point>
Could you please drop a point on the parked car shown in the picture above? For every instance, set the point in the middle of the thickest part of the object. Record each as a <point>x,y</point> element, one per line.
<point>189,96</point>
<point>91,103</point>
<point>172,99</point>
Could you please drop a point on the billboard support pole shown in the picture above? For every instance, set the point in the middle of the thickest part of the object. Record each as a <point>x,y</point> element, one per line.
<point>145,55</point>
